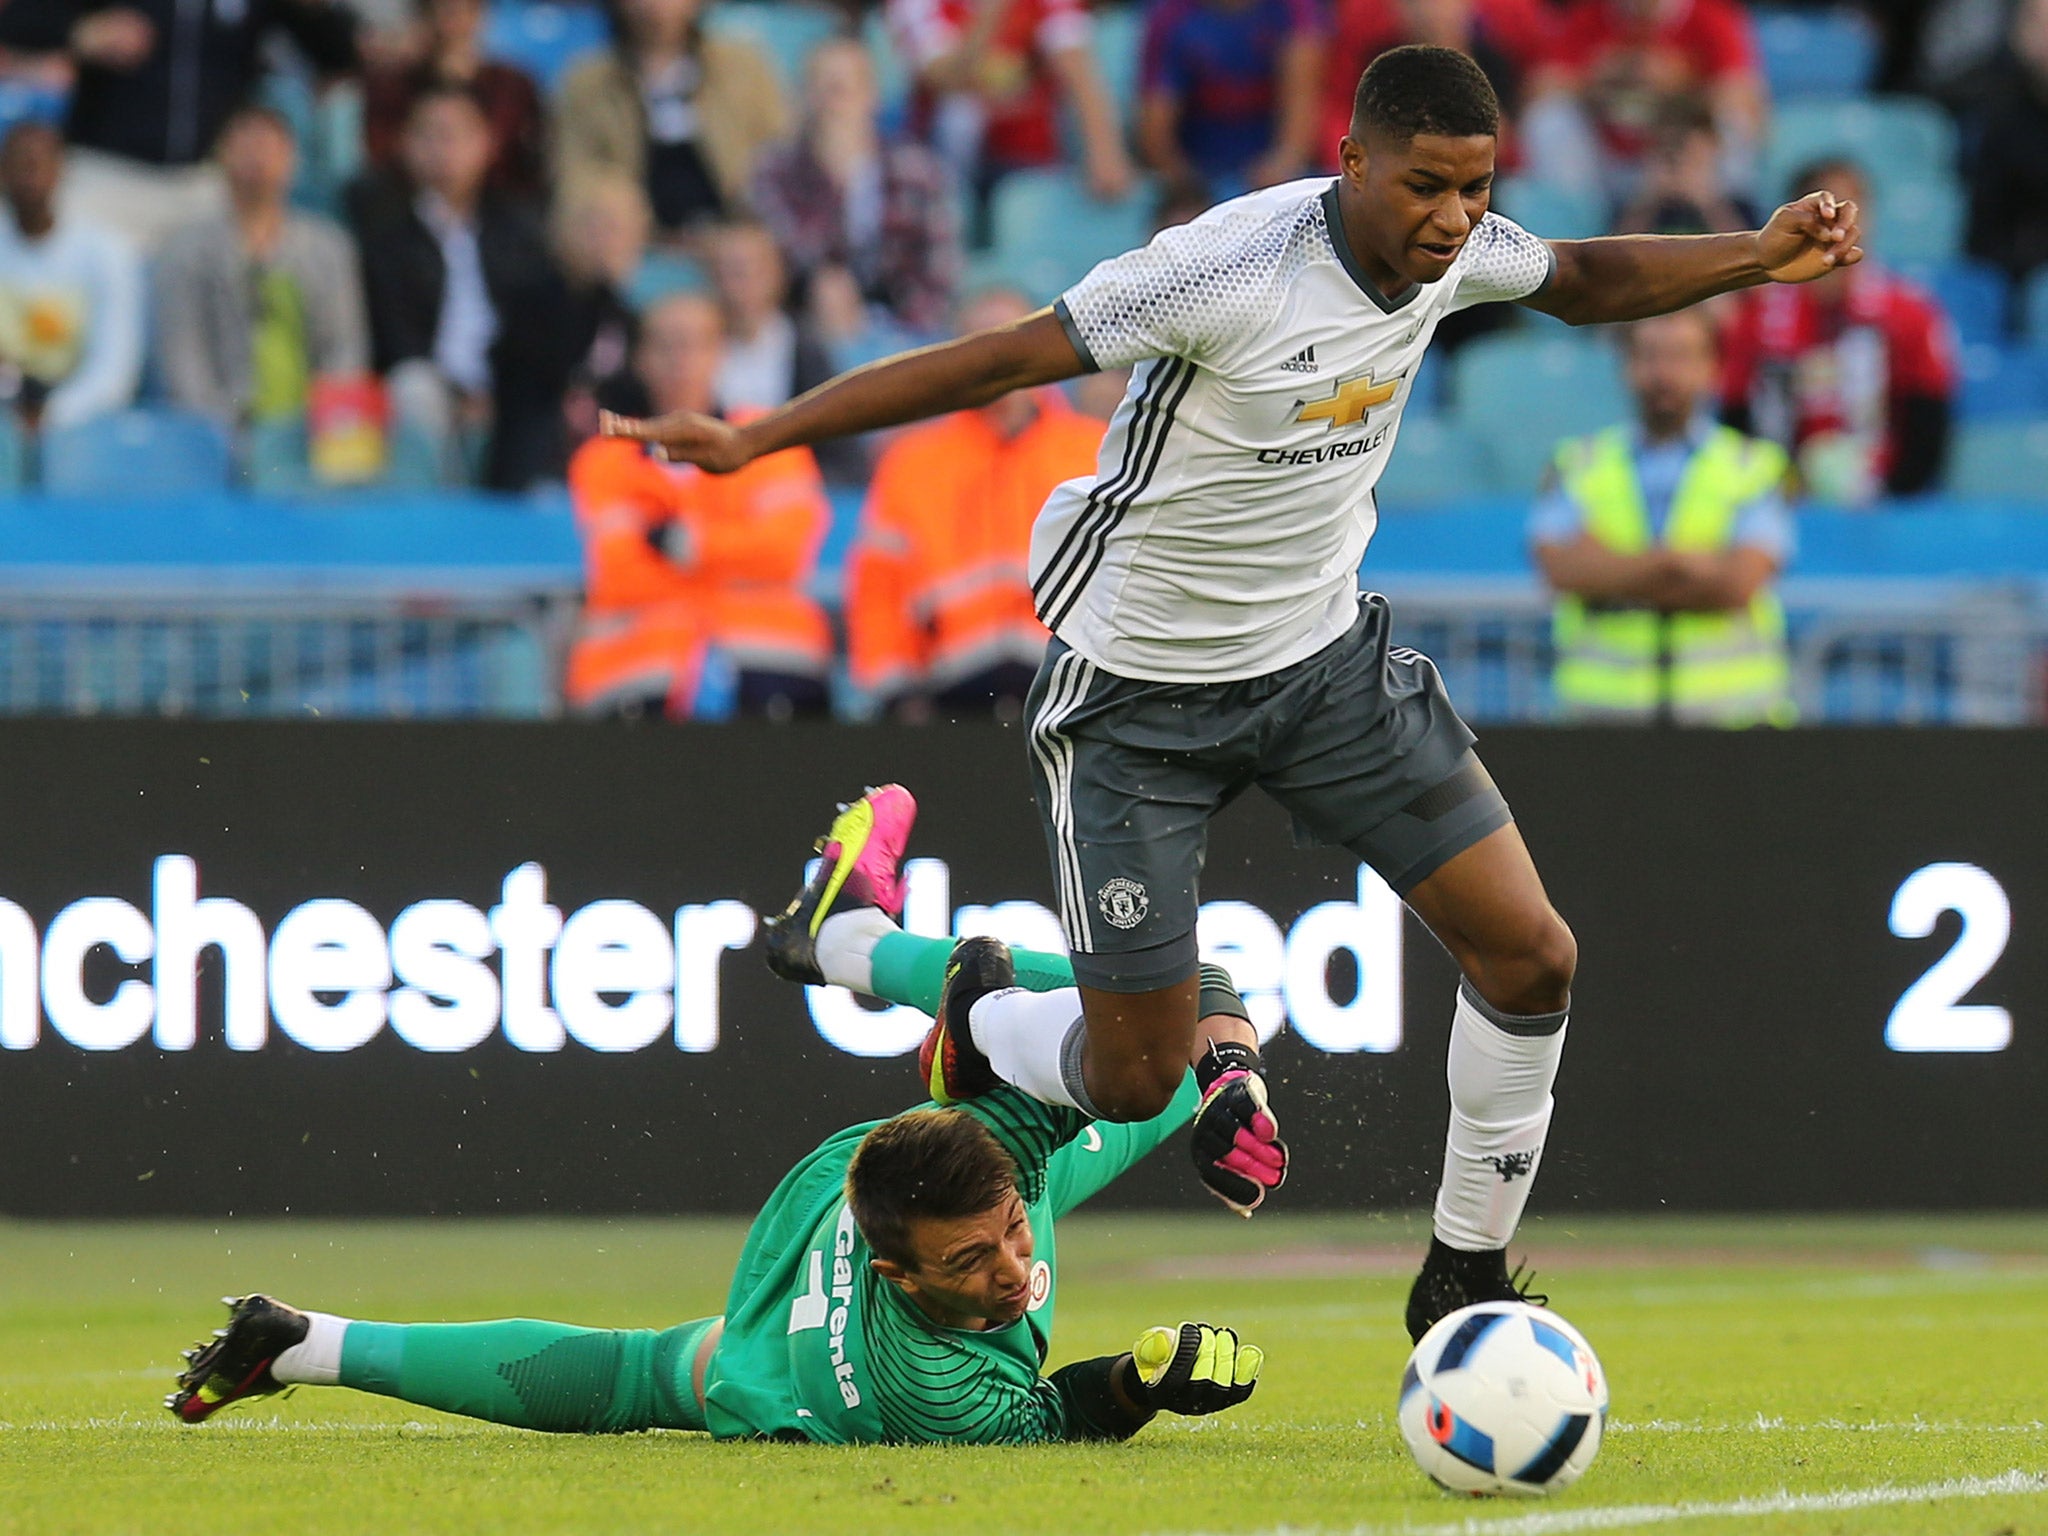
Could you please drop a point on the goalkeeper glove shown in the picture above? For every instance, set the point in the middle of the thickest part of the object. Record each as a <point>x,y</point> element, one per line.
<point>1237,1146</point>
<point>1193,1369</point>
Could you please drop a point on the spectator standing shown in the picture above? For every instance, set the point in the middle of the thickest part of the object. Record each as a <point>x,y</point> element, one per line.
<point>1506,39</point>
<point>1228,91</point>
<point>1855,375</point>
<point>1682,190</point>
<point>695,583</point>
<point>770,357</point>
<point>939,609</point>
<point>156,79</point>
<point>451,34</point>
<point>839,195</point>
<point>71,322</point>
<point>684,113</point>
<point>1611,67</point>
<point>2008,169</point>
<point>992,76</point>
<point>1662,541</point>
<point>465,301</point>
<point>600,232</point>
<point>255,305</point>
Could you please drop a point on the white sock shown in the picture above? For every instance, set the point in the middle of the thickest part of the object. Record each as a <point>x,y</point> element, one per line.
<point>846,946</point>
<point>315,1361</point>
<point>1033,1040</point>
<point>1501,1069</point>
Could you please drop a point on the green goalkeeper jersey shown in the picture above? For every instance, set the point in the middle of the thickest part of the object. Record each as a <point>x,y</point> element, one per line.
<point>819,1347</point>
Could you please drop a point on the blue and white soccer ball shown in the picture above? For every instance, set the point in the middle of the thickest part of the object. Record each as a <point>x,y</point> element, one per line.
<point>1503,1398</point>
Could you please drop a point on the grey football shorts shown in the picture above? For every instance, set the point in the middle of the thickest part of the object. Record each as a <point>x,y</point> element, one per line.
<point>1359,743</point>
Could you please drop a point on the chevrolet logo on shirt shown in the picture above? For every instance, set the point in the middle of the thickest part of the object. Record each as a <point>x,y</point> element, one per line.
<point>1347,406</point>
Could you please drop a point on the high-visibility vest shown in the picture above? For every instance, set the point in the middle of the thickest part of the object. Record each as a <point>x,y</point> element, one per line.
<point>1727,668</point>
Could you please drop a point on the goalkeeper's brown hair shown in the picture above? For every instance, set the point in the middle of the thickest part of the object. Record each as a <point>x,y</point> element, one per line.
<point>929,1164</point>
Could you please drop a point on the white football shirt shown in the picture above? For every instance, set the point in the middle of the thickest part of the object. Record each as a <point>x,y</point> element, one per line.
<point>1221,534</point>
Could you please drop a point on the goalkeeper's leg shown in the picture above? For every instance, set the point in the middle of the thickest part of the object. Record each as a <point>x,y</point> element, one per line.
<point>528,1374</point>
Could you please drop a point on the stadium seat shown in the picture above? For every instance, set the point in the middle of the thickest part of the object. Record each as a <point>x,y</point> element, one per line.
<point>661,274</point>
<point>544,38</point>
<point>1432,464</point>
<point>2034,308</point>
<point>1119,41</point>
<point>1049,231</point>
<point>786,31</point>
<point>13,454</point>
<point>2003,383</point>
<point>1917,220</point>
<point>1816,54</point>
<point>1973,292</point>
<point>1554,212</point>
<point>892,75</point>
<point>2005,459</point>
<point>136,453</point>
<point>1518,395</point>
<point>1897,139</point>
<point>274,458</point>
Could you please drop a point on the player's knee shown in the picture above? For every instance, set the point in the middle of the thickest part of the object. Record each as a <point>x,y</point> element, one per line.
<point>1139,1089</point>
<point>1532,973</point>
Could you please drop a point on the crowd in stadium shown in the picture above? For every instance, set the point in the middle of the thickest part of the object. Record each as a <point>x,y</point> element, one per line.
<point>422,247</point>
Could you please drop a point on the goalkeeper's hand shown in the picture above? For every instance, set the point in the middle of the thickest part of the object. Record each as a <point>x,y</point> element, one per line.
<point>1193,1369</point>
<point>1237,1146</point>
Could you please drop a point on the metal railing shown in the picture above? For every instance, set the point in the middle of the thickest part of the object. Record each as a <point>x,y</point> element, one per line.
<point>1863,652</point>
<point>368,654</point>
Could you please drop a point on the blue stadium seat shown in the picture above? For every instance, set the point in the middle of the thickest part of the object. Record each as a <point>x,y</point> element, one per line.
<point>1432,464</point>
<point>661,274</point>
<point>1896,139</point>
<point>2003,383</point>
<point>892,75</point>
<point>2034,308</point>
<point>1554,212</point>
<point>785,30</point>
<point>274,458</point>
<point>136,453</point>
<point>2003,459</point>
<point>1519,394</point>
<point>542,37</point>
<point>1816,54</point>
<point>1049,231</point>
<point>13,454</point>
<point>1917,220</point>
<point>1119,41</point>
<point>1973,292</point>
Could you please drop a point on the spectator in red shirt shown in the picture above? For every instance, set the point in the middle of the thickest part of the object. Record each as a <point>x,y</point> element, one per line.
<point>1506,38</point>
<point>1613,64</point>
<point>991,78</point>
<point>1854,374</point>
<point>1228,93</point>
<point>452,54</point>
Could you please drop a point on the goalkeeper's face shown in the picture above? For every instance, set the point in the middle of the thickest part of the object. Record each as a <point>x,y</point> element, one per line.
<point>968,1271</point>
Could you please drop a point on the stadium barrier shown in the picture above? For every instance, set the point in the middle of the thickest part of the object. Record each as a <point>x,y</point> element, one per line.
<point>350,968</point>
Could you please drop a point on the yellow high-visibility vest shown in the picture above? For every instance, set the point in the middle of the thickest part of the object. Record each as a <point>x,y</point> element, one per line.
<point>1726,669</point>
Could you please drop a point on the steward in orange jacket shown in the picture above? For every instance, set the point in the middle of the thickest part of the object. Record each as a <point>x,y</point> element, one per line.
<point>678,563</point>
<point>938,601</point>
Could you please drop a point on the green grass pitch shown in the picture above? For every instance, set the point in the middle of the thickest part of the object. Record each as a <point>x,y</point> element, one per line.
<point>1796,1376</point>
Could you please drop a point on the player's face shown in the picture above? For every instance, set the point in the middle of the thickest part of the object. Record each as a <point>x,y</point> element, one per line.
<point>1419,199</point>
<point>973,1271</point>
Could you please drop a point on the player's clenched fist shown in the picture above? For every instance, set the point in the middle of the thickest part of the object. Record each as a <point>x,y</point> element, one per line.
<point>1193,1369</point>
<point>1236,1143</point>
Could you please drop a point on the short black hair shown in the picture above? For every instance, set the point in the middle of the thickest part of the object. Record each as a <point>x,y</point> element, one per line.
<point>928,1164</point>
<point>1422,89</point>
<point>256,112</point>
<point>447,90</point>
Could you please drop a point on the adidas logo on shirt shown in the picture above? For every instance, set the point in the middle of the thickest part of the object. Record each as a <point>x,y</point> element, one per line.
<point>1303,361</point>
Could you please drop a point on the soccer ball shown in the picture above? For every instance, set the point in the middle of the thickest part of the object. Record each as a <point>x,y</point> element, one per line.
<point>1503,1398</point>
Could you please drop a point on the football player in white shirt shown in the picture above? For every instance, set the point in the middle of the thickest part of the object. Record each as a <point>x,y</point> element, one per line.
<point>1208,631</point>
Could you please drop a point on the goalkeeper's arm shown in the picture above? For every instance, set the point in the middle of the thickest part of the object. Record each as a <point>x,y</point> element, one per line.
<point>1192,1369</point>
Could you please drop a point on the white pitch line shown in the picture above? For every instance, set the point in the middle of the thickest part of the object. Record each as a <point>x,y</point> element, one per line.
<point>1619,1517</point>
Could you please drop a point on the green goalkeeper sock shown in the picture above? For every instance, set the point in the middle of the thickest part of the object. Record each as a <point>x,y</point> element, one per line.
<point>533,1375</point>
<point>910,968</point>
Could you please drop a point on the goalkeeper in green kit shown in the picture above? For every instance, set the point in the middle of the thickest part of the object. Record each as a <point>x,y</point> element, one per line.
<point>899,1285</point>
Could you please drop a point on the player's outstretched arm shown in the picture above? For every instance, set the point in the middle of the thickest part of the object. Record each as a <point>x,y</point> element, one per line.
<point>952,376</point>
<point>1630,277</point>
